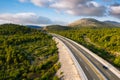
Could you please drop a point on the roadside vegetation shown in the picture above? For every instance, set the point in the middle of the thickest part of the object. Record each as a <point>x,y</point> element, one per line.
<point>27,54</point>
<point>105,42</point>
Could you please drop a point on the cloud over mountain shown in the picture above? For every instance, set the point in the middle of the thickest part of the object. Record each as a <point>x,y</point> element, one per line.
<point>115,10</point>
<point>25,18</point>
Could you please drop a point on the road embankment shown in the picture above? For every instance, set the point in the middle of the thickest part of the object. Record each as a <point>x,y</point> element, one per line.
<point>68,70</point>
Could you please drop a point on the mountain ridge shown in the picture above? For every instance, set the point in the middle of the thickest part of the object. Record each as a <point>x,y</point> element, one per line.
<point>91,22</point>
<point>113,22</point>
<point>55,28</point>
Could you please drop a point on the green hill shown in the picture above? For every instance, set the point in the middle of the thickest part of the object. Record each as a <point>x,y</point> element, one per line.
<point>56,28</point>
<point>26,54</point>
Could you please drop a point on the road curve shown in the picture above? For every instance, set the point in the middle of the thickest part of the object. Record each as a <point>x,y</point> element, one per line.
<point>88,68</point>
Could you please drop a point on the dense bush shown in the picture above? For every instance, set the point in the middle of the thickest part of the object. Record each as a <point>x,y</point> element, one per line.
<point>26,54</point>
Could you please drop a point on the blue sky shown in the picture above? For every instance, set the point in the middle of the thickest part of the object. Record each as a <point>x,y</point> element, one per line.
<point>44,12</point>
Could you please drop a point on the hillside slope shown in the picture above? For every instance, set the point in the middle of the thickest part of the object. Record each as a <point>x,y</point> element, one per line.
<point>26,54</point>
<point>113,23</point>
<point>55,28</point>
<point>89,22</point>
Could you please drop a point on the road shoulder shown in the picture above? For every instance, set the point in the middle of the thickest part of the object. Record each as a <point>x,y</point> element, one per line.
<point>68,70</point>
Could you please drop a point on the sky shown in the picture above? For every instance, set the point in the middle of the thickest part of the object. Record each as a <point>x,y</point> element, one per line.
<point>46,12</point>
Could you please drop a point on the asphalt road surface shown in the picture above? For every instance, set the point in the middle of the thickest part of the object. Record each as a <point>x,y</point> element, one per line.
<point>89,70</point>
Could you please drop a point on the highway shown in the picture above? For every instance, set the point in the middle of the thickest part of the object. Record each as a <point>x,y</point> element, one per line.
<point>92,68</point>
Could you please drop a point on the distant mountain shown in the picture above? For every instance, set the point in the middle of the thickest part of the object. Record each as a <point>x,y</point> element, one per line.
<point>34,26</point>
<point>113,23</point>
<point>89,22</point>
<point>55,28</point>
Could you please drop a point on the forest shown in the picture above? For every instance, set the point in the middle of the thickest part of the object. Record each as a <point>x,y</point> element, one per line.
<point>104,42</point>
<point>27,54</point>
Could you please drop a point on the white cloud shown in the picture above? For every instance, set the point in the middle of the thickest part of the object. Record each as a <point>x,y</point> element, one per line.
<point>94,3</point>
<point>67,4</point>
<point>42,3</point>
<point>115,10</point>
<point>23,0</point>
<point>4,21</point>
<point>80,7</point>
<point>87,10</point>
<point>25,18</point>
<point>73,7</point>
<point>39,2</point>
